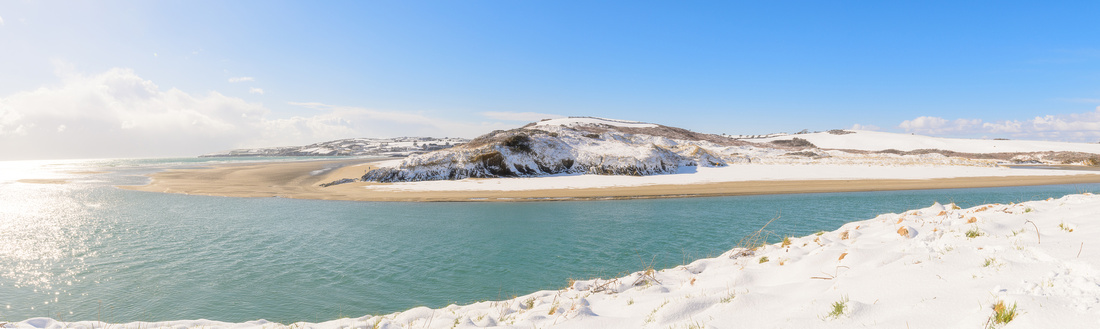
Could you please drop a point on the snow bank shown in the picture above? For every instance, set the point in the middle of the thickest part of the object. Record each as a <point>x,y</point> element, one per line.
<point>731,173</point>
<point>936,267</point>
<point>878,141</point>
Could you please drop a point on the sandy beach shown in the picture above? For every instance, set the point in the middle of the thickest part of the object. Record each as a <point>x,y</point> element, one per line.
<point>301,180</point>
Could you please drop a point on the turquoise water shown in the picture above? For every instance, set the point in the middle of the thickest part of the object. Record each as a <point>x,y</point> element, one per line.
<point>86,250</point>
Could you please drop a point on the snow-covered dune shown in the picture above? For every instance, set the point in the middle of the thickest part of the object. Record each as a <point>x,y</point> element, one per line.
<point>878,141</point>
<point>569,146</point>
<point>936,267</point>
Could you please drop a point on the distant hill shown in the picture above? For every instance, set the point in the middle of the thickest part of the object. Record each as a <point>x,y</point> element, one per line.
<point>586,145</point>
<point>1015,151</point>
<point>396,147</point>
<point>572,145</point>
<point>878,141</point>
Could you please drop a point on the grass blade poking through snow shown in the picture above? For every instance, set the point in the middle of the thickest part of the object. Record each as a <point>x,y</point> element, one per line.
<point>839,307</point>
<point>1002,315</point>
<point>755,240</point>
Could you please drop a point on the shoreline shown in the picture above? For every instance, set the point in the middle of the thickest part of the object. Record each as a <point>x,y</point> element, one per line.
<point>965,265</point>
<point>302,179</point>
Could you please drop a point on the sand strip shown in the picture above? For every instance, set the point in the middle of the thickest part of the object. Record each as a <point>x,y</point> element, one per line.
<point>301,180</point>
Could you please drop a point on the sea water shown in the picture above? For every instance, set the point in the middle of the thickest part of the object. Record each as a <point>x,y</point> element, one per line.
<point>85,250</point>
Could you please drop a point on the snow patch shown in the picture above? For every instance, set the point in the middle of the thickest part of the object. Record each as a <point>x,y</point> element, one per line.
<point>582,121</point>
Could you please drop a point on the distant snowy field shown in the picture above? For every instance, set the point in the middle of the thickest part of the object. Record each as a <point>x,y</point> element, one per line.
<point>731,173</point>
<point>878,141</point>
<point>936,267</point>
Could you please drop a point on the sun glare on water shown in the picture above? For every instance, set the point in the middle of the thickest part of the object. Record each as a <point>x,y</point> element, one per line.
<point>45,231</point>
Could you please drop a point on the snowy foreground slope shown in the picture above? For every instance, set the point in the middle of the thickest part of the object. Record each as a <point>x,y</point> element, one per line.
<point>936,267</point>
<point>628,148</point>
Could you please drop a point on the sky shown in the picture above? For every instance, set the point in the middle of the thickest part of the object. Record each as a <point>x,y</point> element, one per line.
<point>100,79</point>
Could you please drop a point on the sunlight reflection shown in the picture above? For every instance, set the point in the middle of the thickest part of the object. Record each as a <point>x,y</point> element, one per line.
<point>43,229</point>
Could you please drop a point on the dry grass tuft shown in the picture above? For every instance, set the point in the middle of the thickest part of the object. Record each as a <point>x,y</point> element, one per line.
<point>903,231</point>
<point>972,220</point>
<point>973,233</point>
<point>553,306</point>
<point>755,240</point>
<point>844,235</point>
<point>841,257</point>
<point>1002,314</point>
<point>942,213</point>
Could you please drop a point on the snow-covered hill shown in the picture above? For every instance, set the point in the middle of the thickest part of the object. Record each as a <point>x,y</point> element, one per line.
<point>401,146</point>
<point>570,145</point>
<point>586,145</point>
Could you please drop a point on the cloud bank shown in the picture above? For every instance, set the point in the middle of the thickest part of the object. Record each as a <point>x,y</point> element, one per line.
<point>118,114</point>
<point>1076,127</point>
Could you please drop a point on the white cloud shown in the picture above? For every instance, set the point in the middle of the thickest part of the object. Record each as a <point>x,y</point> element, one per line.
<point>1080,127</point>
<point>241,79</point>
<point>520,116</point>
<point>118,114</point>
<point>865,127</point>
<point>254,90</point>
<point>937,125</point>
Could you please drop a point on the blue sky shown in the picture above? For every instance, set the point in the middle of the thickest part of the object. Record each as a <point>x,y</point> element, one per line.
<point>160,78</point>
